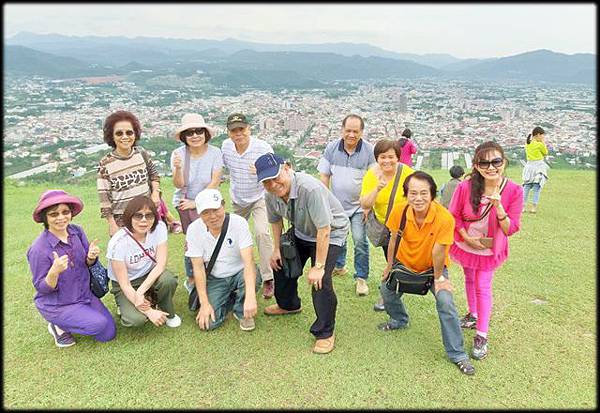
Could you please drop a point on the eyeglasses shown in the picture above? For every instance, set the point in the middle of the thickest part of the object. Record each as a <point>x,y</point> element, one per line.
<point>190,132</point>
<point>496,163</point>
<point>138,216</point>
<point>128,132</point>
<point>55,214</point>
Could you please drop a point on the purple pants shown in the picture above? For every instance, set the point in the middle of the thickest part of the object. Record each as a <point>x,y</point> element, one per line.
<point>91,319</point>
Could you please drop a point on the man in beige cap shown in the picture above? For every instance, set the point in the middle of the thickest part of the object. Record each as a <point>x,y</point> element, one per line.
<point>240,152</point>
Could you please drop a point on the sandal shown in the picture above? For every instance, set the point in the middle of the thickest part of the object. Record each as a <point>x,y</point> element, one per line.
<point>465,367</point>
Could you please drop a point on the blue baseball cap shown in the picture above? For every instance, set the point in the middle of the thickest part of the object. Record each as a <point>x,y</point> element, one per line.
<point>268,166</point>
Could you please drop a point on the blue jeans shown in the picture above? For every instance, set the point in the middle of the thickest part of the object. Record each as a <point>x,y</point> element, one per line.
<point>361,247</point>
<point>226,294</point>
<point>452,335</point>
<point>536,193</point>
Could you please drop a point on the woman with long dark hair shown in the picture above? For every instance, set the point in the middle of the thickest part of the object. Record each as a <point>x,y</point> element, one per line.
<point>487,209</point>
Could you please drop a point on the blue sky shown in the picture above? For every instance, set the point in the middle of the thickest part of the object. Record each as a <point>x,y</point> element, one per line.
<point>462,30</point>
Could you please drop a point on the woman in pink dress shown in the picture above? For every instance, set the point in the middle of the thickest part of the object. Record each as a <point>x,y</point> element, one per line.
<point>487,208</point>
<point>407,148</point>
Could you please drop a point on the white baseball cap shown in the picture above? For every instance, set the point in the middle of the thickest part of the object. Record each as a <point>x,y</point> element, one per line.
<point>208,199</point>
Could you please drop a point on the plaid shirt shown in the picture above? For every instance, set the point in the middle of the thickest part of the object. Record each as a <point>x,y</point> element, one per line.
<point>244,189</point>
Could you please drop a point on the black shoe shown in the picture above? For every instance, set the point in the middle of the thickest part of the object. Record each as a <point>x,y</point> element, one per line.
<point>465,367</point>
<point>391,325</point>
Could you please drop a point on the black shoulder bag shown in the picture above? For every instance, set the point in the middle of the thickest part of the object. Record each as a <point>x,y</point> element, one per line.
<point>194,300</point>
<point>290,259</point>
<point>404,280</point>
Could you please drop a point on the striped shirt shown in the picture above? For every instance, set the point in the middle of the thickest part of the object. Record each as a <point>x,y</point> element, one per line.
<point>347,171</point>
<point>244,189</point>
<point>122,178</point>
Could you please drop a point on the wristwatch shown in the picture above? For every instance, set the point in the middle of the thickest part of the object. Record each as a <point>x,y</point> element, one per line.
<point>440,280</point>
<point>319,265</point>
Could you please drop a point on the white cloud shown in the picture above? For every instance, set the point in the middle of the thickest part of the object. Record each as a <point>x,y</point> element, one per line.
<point>463,30</point>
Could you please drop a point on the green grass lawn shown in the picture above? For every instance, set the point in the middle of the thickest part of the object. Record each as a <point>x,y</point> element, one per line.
<point>540,355</point>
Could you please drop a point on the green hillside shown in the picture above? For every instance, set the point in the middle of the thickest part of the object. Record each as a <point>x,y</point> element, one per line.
<point>540,355</point>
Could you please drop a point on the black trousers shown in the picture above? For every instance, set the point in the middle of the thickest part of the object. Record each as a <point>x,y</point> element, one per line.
<point>324,300</point>
<point>385,247</point>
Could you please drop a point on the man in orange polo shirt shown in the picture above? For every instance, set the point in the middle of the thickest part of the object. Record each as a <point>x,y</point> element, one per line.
<point>428,234</point>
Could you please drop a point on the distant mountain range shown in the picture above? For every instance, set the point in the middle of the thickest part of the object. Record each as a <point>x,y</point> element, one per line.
<point>295,65</point>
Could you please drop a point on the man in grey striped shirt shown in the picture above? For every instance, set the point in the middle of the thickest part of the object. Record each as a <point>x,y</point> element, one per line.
<point>343,165</point>
<point>240,152</point>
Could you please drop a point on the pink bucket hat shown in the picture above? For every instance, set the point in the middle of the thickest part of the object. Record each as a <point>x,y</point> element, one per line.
<point>192,120</point>
<point>54,197</point>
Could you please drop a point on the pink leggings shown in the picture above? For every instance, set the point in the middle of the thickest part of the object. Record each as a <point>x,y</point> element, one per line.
<point>478,285</point>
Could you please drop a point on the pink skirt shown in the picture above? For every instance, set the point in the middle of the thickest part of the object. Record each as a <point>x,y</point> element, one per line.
<point>477,262</point>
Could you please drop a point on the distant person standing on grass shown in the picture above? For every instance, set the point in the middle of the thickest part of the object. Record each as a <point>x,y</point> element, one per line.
<point>407,147</point>
<point>487,209</point>
<point>196,165</point>
<point>126,172</point>
<point>447,190</point>
<point>59,259</point>
<point>240,152</point>
<point>535,173</point>
<point>344,163</point>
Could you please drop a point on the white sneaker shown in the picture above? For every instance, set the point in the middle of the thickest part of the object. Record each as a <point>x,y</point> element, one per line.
<point>173,322</point>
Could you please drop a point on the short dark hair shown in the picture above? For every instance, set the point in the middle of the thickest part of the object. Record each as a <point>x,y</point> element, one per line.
<point>352,115</point>
<point>136,204</point>
<point>207,136</point>
<point>384,145</point>
<point>457,171</point>
<point>120,115</point>
<point>44,213</point>
<point>407,133</point>
<point>423,176</point>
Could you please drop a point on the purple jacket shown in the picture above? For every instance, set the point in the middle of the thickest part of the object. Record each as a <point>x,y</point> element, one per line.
<point>73,284</point>
<point>512,201</point>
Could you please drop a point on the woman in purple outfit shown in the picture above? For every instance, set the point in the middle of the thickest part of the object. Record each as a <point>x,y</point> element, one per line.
<point>59,259</point>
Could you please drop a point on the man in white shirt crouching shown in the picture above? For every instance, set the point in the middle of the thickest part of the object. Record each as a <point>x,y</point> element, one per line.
<point>232,283</point>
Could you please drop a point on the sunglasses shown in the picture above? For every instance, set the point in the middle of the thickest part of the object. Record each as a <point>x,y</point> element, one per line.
<point>496,163</point>
<point>190,132</point>
<point>120,133</point>
<point>139,216</point>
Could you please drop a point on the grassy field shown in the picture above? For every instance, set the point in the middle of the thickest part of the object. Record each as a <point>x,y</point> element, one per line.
<point>541,355</point>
